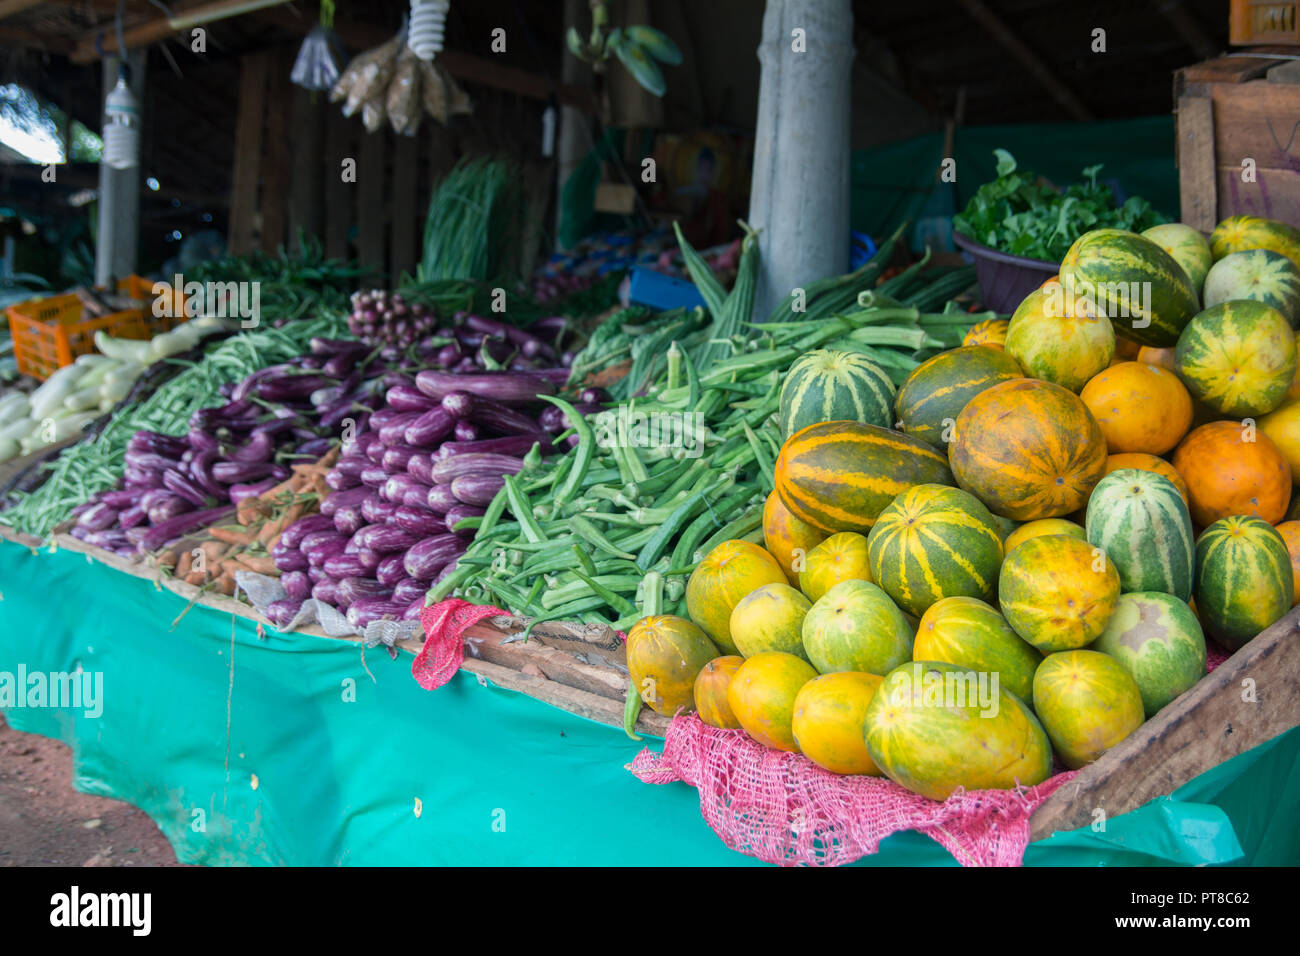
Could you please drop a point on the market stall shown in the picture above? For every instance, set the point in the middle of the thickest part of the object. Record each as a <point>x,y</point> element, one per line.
<point>760,538</point>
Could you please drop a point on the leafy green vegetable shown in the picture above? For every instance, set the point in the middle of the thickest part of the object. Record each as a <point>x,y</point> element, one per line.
<point>1015,213</point>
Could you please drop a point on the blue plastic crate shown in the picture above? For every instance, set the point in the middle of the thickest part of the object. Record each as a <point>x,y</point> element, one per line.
<point>658,291</point>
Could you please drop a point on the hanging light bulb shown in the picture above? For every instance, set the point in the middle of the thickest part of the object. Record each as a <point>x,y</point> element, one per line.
<point>427,27</point>
<point>121,126</point>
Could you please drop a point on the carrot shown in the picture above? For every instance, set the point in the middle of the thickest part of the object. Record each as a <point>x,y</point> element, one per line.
<point>213,551</point>
<point>225,585</point>
<point>262,565</point>
<point>184,564</point>
<point>196,578</point>
<point>250,509</point>
<point>232,535</point>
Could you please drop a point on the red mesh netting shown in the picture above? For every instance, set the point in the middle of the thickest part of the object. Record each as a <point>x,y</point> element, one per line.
<point>444,647</point>
<point>782,808</point>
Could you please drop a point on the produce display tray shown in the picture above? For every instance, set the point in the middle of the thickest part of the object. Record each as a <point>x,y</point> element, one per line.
<point>562,663</point>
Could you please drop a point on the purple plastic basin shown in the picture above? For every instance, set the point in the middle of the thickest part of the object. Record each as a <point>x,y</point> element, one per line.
<point>1005,279</point>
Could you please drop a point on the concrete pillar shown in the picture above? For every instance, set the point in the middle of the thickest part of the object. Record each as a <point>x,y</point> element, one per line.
<point>573,141</point>
<point>119,191</point>
<point>799,194</point>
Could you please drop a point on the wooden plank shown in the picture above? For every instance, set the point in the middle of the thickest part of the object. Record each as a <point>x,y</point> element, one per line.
<point>340,196</point>
<point>1248,700</point>
<point>1228,69</point>
<point>1275,194</point>
<point>1258,120</point>
<point>405,209</point>
<point>248,152</point>
<point>306,189</point>
<point>1195,152</point>
<point>370,199</point>
<point>275,174</point>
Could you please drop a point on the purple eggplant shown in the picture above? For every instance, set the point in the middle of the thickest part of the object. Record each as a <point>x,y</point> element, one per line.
<point>158,443</point>
<point>390,569</point>
<point>374,476</point>
<point>440,499</point>
<point>369,559</point>
<point>242,472</point>
<point>315,575</point>
<point>497,417</point>
<point>287,387</point>
<point>349,520</point>
<point>282,613</point>
<point>425,557</point>
<point>340,498</point>
<point>378,511</point>
<point>341,480</point>
<point>466,431</point>
<point>341,566</point>
<point>458,404</point>
<point>419,520</point>
<point>296,584</point>
<point>328,347</point>
<point>183,524</point>
<point>315,447</point>
<point>326,591</point>
<point>239,492</point>
<point>410,589</point>
<point>509,387</point>
<point>259,447</point>
<point>448,355</point>
<point>512,446</point>
<point>457,514</point>
<point>149,461</point>
<point>393,431</point>
<point>243,389</point>
<point>528,344</point>
<point>382,417</point>
<point>132,517</point>
<point>182,485</point>
<point>98,518</point>
<point>352,590</point>
<point>318,545</point>
<point>429,428</point>
<point>292,536</point>
<point>414,610</point>
<point>289,560</point>
<point>398,485</point>
<point>384,539</point>
<point>419,467</point>
<point>446,470</point>
<point>408,398</point>
<point>550,329</point>
<point>201,468</point>
<point>556,376</point>
<point>351,465</point>
<point>368,610</point>
<point>396,457</point>
<point>476,489</point>
<point>123,498</point>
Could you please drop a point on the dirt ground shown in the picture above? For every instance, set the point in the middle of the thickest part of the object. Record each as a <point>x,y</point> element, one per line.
<point>45,822</point>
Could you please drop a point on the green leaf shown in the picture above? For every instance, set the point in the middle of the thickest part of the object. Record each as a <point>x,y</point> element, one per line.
<point>643,69</point>
<point>1006,162</point>
<point>658,44</point>
<point>576,46</point>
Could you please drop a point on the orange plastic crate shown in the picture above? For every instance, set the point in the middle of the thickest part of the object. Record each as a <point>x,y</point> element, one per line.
<point>50,333</point>
<point>1263,21</point>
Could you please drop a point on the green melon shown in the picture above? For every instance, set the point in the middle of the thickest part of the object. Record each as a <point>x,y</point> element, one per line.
<point>1116,269</point>
<point>1157,639</point>
<point>1241,233</point>
<point>1243,579</point>
<point>1087,702</point>
<point>838,476</point>
<point>1140,520</point>
<point>831,386</point>
<point>1238,358</point>
<point>936,391</point>
<point>770,618</point>
<point>969,633</point>
<point>856,627</point>
<point>1260,275</point>
<point>1186,246</point>
<point>933,727</point>
<point>1058,341</point>
<point>934,542</point>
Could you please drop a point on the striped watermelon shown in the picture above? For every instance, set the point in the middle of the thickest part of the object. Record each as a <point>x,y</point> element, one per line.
<point>832,386</point>
<point>1257,274</point>
<point>1238,358</point>
<point>1137,285</point>
<point>1157,639</point>
<point>1056,344</point>
<point>936,391</point>
<point>1243,579</point>
<point>1028,450</point>
<point>1240,233</point>
<point>1186,246</point>
<point>934,542</point>
<point>838,476</point>
<point>969,633</point>
<point>1140,520</point>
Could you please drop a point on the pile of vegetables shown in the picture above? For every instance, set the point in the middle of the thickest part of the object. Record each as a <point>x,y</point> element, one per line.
<point>410,485</point>
<point>583,534</point>
<point>77,394</point>
<point>1015,213</point>
<point>472,229</point>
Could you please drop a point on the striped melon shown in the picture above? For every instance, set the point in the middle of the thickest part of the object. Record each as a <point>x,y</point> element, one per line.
<point>1132,281</point>
<point>1087,702</point>
<point>838,476</point>
<point>1028,450</point>
<point>934,542</point>
<point>969,633</point>
<point>1157,639</point>
<point>936,391</point>
<point>935,727</point>
<point>1059,341</point>
<point>1140,520</point>
<point>1057,592</point>
<point>1240,233</point>
<point>1186,246</point>
<point>1238,358</point>
<point>833,386</point>
<point>1257,274</point>
<point>1041,527</point>
<point>1243,579</point>
<point>1145,462</point>
<point>991,333</point>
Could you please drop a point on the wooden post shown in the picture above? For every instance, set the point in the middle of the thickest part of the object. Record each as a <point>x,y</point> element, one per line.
<point>119,192</point>
<point>253,69</point>
<point>306,187</point>
<point>340,196</point>
<point>799,197</point>
<point>405,209</point>
<point>574,139</point>
<point>274,204</point>
<point>370,202</point>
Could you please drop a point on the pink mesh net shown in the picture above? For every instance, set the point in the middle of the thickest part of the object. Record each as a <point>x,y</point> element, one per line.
<point>444,647</point>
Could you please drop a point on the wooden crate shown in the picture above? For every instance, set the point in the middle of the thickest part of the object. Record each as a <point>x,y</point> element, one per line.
<point>1229,110</point>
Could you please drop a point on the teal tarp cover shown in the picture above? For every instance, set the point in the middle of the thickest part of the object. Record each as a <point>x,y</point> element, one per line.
<point>897,181</point>
<point>290,749</point>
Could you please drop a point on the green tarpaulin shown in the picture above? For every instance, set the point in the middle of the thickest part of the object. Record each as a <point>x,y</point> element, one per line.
<point>288,749</point>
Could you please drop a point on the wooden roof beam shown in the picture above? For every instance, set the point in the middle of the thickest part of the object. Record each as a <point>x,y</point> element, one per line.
<point>103,42</point>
